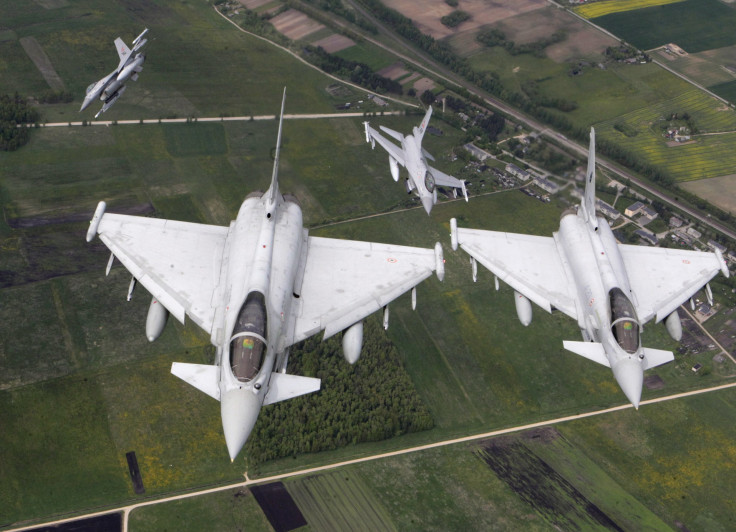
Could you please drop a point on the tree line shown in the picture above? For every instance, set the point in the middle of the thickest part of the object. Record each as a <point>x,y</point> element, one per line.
<point>356,72</point>
<point>15,116</point>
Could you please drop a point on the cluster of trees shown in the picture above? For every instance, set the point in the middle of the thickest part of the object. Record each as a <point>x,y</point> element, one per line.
<point>370,401</point>
<point>56,97</point>
<point>549,157</point>
<point>359,73</point>
<point>624,52</point>
<point>15,115</point>
<point>495,37</point>
<point>455,18</point>
<point>531,90</point>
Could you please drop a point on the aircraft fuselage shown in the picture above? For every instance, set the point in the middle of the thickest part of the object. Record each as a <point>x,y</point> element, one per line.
<point>265,262</point>
<point>416,165</point>
<point>605,311</point>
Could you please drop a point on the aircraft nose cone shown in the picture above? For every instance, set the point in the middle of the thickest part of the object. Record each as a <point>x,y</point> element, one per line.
<point>630,376</point>
<point>427,202</point>
<point>239,410</point>
<point>85,103</point>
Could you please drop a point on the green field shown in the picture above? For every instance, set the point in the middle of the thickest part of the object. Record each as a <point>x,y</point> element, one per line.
<point>708,156</point>
<point>694,25</point>
<point>230,510</point>
<point>725,90</point>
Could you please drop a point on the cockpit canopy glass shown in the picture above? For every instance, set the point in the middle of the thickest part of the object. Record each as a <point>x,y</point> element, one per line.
<point>89,89</point>
<point>429,181</point>
<point>624,323</point>
<point>248,342</point>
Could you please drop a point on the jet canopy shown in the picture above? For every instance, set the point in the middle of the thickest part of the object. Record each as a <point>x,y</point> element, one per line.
<point>91,86</point>
<point>429,181</point>
<point>624,323</point>
<point>248,342</point>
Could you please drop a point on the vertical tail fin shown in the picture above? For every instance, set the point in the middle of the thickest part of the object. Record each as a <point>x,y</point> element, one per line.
<point>419,131</point>
<point>588,204</point>
<point>123,51</point>
<point>272,193</point>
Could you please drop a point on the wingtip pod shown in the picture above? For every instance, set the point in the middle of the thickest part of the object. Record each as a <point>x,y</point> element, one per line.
<point>94,224</point>
<point>137,39</point>
<point>453,233</point>
<point>722,263</point>
<point>439,261</point>
<point>367,134</point>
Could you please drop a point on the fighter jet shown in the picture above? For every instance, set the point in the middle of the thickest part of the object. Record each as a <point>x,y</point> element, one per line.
<point>112,86</point>
<point>258,286</point>
<point>422,179</point>
<point>611,289</point>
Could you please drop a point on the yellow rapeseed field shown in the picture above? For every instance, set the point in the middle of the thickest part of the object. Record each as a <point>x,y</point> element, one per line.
<point>598,9</point>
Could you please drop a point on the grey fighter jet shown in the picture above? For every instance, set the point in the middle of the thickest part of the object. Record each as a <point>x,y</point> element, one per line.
<point>610,289</point>
<point>258,286</point>
<point>112,86</point>
<point>422,179</point>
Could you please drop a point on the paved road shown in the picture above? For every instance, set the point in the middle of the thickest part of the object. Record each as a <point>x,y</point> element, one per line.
<point>327,467</point>
<point>213,119</point>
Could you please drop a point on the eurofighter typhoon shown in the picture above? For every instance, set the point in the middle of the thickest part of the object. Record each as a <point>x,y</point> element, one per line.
<point>259,286</point>
<point>112,86</point>
<point>422,178</point>
<point>611,289</point>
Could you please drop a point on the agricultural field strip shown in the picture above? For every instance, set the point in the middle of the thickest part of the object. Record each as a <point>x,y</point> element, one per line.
<point>383,96</point>
<point>328,467</point>
<point>599,9</point>
<point>215,119</point>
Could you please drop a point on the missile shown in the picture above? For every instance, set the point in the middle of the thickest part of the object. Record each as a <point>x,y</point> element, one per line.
<point>137,39</point>
<point>453,233</point>
<point>385,317</point>
<point>474,268</point>
<point>156,320</point>
<point>414,298</point>
<point>131,287</point>
<point>352,342</point>
<point>109,264</point>
<point>109,102</point>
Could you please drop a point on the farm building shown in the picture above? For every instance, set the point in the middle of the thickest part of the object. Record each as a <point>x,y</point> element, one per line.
<point>634,209</point>
<point>518,172</point>
<point>607,210</point>
<point>648,236</point>
<point>546,184</point>
<point>479,154</point>
<point>712,244</point>
<point>675,222</point>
